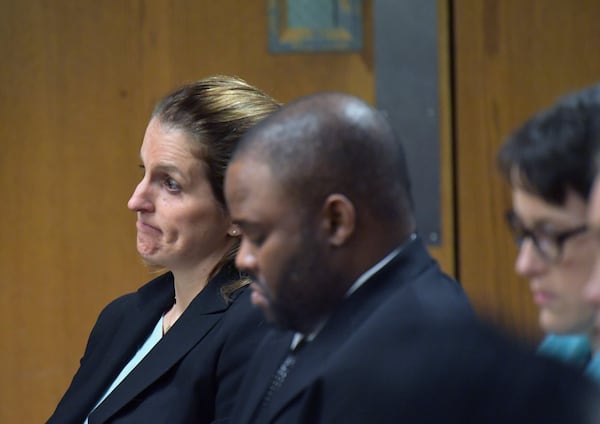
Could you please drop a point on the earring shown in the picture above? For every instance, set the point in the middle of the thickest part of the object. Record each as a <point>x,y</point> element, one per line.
<point>234,232</point>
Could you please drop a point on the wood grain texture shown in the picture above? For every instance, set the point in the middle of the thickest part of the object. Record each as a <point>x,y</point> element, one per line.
<point>79,81</point>
<point>511,58</point>
<point>445,252</point>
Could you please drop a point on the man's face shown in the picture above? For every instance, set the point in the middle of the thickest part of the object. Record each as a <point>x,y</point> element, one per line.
<point>281,247</point>
<point>593,286</point>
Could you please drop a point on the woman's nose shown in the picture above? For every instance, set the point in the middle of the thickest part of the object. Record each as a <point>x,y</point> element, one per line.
<point>140,200</point>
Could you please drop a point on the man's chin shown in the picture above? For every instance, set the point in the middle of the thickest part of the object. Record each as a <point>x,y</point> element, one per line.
<point>276,319</point>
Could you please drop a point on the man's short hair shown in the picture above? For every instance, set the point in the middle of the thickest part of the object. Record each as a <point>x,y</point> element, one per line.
<point>332,142</point>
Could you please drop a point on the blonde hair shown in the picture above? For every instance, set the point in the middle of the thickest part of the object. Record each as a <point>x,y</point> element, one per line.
<point>216,112</point>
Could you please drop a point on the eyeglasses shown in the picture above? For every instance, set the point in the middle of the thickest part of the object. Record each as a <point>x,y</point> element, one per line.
<point>549,246</point>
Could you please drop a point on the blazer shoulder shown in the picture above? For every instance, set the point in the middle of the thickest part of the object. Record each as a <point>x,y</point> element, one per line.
<point>160,287</point>
<point>242,314</point>
<point>243,328</point>
<point>115,309</point>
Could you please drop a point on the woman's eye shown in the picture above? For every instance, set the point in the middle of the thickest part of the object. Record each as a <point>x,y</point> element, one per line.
<point>171,184</point>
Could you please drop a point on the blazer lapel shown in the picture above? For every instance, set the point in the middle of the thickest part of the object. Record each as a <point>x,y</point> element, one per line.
<point>136,322</point>
<point>263,367</point>
<point>347,318</point>
<point>309,362</point>
<point>195,323</point>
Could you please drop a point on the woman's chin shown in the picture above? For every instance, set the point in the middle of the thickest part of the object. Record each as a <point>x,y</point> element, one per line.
<point>150,260</point>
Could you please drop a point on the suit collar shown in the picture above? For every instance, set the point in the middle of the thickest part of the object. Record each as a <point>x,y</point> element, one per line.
<point>412,260</point>
<point>203,313</point>
<point>133,320</point>
<point>263,365</point>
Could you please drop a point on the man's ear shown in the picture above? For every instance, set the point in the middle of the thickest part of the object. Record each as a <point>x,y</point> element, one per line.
<point>339,218</point>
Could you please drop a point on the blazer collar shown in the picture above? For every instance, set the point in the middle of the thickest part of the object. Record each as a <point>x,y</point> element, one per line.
<point>186,333</point>
<point>263,366</point>
<point>405,267</point>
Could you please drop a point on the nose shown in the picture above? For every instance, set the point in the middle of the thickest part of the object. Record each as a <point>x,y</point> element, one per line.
<point>529,262</point>
<point>245,260</point>
<point>140,200</point>
<point>592,288</point>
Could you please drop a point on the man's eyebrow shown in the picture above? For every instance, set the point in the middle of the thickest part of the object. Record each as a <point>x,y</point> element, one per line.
<point>245,224</point>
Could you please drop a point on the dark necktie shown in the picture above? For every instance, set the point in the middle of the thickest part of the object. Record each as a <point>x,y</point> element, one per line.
<point>278,380</point>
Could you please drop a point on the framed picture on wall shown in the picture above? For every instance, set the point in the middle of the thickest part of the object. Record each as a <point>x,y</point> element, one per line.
<point>315,25</point>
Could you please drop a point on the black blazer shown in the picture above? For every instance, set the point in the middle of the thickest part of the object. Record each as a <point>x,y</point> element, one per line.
<point>412,277</point>
<point>190,376</point>
<point>451,371</point>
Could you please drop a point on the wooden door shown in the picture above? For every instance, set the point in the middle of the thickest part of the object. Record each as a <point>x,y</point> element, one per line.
<point>511,58</point>
<point>79,79</point>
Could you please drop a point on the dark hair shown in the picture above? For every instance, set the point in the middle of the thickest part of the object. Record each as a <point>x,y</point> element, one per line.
<point>215,112</point>
<point>332,142</point>
<point>554,151</point>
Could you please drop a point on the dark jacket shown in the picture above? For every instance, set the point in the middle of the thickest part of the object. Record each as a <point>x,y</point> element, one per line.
<point>413,277</point>
<point>191,376</point>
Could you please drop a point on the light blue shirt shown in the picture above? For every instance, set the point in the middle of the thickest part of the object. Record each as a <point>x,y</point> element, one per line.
<point>574,350</point>
<point>150,342</point>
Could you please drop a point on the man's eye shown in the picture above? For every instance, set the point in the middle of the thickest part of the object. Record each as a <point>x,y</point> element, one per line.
<point>255,239</point>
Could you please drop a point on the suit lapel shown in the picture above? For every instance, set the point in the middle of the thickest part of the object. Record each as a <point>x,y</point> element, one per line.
<point>195,323</point>
<point>263,367</point>
<point>310,361</point>
<point>149,303</point>
<point>347,318</point>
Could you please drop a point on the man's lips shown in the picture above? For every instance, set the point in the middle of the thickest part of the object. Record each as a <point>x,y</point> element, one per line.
<point>258,297</point>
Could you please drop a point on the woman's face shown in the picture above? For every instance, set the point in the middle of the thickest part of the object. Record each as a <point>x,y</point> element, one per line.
<point>179,222</point>
<point>557,286</point>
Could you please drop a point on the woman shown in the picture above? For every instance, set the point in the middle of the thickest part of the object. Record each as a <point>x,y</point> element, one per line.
<point>175,350</point>
<point>549,165</point>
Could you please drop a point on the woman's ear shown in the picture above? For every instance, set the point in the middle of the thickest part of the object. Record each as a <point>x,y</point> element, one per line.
<point>339,218</point>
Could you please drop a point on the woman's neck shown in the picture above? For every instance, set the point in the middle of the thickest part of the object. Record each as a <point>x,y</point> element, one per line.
<point>188,283</point>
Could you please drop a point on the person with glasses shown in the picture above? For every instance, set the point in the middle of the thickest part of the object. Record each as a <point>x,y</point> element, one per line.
<point>548,163</point>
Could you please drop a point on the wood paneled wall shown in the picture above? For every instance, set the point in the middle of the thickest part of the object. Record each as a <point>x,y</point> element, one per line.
<point>79,79</point>
<point>511,58</point>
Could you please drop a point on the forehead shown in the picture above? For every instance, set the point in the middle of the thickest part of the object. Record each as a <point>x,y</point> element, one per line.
<point>532,208</point>
<point>252,191</point>
<point>164,143</point>
<point>594,207</point>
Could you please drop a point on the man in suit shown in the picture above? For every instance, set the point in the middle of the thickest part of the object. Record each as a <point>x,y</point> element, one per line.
<point>321,193</point>
<point>456,371</point>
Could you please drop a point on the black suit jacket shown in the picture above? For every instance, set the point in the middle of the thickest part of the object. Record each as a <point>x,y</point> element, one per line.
<point>413,277</point>
<point>190,376</point>
<point>452,371</point>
